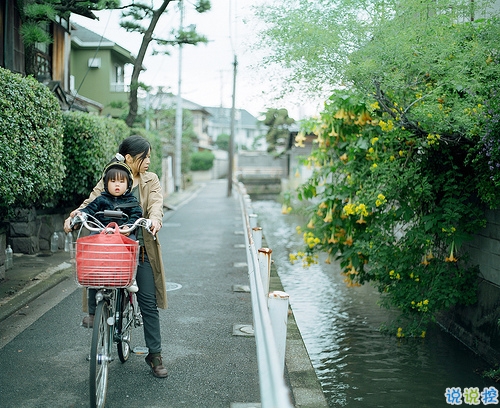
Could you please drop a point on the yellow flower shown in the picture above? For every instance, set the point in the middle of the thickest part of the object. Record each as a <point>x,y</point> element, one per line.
<point>341,114</point>
<point>451,258</point>
<point>344,158</point>
<point>333,133</point>
<point>363,119</point>
<point>374,140</point>
<point>332,239</point>
<point>300,139</point>
<point>374,106</point>
<point>361,209</point>
<point>361,220</point>
<point>380,200</point>
<point>310,225</point>
<point>400,333</point>
<point>328,217</point>
<point>386,126</point>
<point>349,209</point>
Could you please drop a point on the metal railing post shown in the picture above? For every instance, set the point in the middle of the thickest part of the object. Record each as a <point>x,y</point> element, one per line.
<point>265,268</point>
<point>257,237</point>
<point>278,312</point>
<point>253,220</point>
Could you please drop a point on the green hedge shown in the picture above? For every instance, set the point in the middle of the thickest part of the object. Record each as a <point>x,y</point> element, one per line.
<point>203,160</point>
<point>90,142</point>
<point>31,143</point>
<point>51,158</point>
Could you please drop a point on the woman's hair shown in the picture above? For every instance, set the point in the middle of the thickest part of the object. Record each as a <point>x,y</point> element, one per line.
<point>135,145</point>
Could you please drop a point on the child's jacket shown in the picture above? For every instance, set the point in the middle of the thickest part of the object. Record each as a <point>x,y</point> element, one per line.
<point>126,203</point>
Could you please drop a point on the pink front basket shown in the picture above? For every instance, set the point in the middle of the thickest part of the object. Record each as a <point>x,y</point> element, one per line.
<point>106,260</point>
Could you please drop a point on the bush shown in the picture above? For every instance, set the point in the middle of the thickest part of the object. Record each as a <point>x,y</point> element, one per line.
<point>394,209</point>
<point>202,160</point>
<point>90,142</point>
<point>31,143</point>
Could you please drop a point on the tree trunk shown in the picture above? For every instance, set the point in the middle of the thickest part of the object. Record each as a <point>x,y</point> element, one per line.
<point>134,81</point>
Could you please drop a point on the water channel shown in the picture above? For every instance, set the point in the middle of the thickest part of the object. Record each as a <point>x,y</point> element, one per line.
<point>356,364</point>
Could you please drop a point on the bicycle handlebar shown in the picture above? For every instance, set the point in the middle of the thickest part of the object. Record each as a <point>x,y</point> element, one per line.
<point>83,219</point>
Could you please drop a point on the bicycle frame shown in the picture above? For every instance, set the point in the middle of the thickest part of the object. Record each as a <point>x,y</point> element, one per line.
<point>116,314</point>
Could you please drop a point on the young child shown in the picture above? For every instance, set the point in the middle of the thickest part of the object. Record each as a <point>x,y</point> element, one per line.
<point>118,181</point>
<point>117,195</point>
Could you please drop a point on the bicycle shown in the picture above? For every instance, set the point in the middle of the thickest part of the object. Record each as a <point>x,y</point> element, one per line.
<point>110,268</point>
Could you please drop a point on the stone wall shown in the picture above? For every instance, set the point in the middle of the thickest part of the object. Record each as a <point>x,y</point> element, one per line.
<point>30,231</point>
<point>3,245</point>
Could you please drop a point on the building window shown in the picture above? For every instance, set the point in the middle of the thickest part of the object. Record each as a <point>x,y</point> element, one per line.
<point>117,80</point>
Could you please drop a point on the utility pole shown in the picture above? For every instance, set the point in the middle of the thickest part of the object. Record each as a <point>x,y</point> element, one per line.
<point>232,136</point>
<point>178,116</point>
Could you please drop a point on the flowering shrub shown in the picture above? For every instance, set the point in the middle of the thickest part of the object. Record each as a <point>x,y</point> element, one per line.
<point>393,207</point>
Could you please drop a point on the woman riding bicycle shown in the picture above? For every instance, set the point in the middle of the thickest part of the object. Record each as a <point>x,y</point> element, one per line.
<point>136,152</point>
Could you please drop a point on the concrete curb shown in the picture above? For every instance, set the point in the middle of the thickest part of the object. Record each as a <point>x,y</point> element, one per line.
<point>36,287</point>
<point>304,383</point>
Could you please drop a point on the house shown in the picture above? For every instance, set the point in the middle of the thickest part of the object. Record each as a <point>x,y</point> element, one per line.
<point>247,128</point>
<point>153,104</point>
<point>97,70</point>
<point>49,63</point>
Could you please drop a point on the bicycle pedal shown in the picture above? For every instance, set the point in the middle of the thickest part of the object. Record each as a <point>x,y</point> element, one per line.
<point>140,350</point>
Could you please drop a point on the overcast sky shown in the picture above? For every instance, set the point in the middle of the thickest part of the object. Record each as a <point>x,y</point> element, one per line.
<point>207,69</point>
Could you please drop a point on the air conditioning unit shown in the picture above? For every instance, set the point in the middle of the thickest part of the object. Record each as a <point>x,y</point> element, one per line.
<point>94,63</point>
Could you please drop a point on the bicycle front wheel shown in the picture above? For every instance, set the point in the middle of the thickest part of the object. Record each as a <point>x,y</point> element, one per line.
<point>100,356</point>
<point>124,325</point>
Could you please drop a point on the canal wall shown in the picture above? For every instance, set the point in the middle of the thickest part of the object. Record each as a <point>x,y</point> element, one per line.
<point>477,326</point>
<point>261,173</point>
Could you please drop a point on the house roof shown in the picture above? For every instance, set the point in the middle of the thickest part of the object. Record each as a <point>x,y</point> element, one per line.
<point>83,38</point>
<point>167,100</point>
<point>223,116</point>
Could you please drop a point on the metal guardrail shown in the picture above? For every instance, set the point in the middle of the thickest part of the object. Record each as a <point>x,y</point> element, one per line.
<point>270,314</point>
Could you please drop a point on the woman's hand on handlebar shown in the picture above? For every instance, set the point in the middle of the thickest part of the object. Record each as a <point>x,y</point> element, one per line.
<point>124,233</point>
<point>155,227</point>
<point>67,221</point>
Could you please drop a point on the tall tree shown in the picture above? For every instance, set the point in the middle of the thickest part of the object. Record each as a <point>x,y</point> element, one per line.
<point>278,123</point>
<point>143,18</point>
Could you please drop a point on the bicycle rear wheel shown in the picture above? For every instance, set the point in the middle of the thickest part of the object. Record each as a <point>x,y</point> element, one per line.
<point>100,356</point>
<point>124,326</point>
